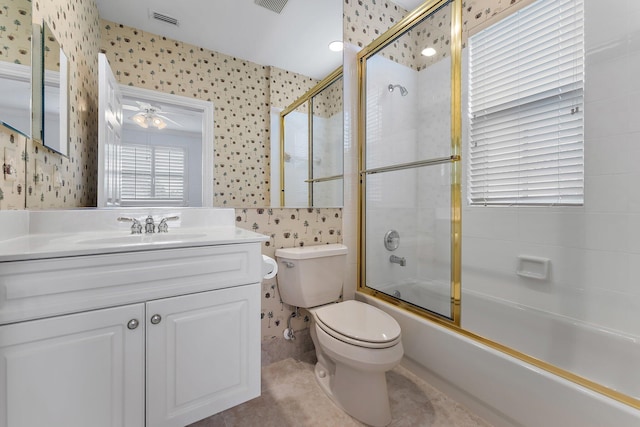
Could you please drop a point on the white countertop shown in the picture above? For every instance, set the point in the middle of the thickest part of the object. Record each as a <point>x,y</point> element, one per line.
<point>57,245</point>
<point>57,234</point>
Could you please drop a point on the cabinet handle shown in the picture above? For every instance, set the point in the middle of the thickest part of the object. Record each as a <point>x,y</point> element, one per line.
<point>132,324</point>
<point>155,319</point>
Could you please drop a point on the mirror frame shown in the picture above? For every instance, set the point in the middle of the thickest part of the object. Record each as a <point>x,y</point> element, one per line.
<point>37,82</point>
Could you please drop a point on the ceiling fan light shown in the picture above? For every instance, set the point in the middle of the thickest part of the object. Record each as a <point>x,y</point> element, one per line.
<point>159,123</point>
<point>140,119</point>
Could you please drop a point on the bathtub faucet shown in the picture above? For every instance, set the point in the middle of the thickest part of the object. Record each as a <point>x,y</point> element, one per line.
<point>398,260</point>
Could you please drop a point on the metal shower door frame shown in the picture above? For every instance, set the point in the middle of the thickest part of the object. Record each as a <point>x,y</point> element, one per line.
<point>374,47</point>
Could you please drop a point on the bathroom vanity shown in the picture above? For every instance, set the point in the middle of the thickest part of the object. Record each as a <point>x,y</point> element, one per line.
<point>100,327</point>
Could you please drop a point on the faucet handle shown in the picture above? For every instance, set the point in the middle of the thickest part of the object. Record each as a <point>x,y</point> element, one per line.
<point>163,227</point>
<point>136,227</point>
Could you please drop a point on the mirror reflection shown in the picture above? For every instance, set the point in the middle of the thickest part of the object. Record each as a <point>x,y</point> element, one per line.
<point>312,146</point>
<point>55,101</point>
<point>15,65</point>
<point>270,62</point>
<point>242,85</point>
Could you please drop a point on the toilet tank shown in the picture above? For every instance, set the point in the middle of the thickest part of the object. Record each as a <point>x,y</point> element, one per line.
<point>309,276</point>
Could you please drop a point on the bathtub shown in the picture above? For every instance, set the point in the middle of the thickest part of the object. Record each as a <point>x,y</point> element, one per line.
<point>510,392</point>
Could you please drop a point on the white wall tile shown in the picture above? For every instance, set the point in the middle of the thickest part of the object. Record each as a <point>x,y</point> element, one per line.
<point>490,222</point>
<point>609,155</point>
<point>606,118</point>
<point>606,78</point>
<point>606,232</point>
<point>606,193</point>
<point>544,226</point>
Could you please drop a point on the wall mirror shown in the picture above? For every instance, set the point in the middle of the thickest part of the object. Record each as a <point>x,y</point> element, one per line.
<point>311,146</point>
<point>152,146</point>
<point>15,66</point>
<point>241,92</point>
<point>54,94</point>
<point>243,72</point>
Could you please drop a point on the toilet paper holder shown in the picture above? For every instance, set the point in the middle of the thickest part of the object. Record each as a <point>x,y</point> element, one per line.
<point>269,267</point>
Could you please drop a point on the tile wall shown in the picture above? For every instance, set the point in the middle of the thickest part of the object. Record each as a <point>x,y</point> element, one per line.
<point>594,249</point>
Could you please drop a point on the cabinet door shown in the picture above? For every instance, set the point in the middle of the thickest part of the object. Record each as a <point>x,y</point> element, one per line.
<point>204,354</point>
<point>79,370</point>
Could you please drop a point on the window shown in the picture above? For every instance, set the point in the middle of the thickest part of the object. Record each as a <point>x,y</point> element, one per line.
<point>526,108</point>
<point>153,174</point>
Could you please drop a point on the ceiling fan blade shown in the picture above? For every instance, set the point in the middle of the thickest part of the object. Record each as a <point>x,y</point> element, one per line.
<point>130,107</point>
<point>145,105</point>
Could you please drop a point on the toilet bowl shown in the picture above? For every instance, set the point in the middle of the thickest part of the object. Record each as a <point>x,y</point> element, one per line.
<point>356,344</point>
<point>352,371</point>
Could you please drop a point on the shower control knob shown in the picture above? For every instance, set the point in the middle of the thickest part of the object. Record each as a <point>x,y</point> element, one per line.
<point>133,324</point>
<point>391,240</point>
<point>155,319</point>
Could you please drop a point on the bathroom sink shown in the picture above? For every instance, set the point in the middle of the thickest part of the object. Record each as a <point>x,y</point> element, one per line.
<point>79,232</point>
<point>143,239</point>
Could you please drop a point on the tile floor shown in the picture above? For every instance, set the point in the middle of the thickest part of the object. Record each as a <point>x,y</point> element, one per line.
<point>291,397</point>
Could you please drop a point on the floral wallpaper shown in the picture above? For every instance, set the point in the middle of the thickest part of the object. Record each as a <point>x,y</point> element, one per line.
<point>287,228</point>
<point>12,184</point>
<point>239,91</point>
<point>54,181</point>
<point>330,101</point>
<point>15,35</point>
<point>287,87</point>
<point>15,31</point>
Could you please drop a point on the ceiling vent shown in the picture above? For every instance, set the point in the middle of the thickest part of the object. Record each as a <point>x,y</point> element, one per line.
<point>273,5</point>
<point>164,18</point>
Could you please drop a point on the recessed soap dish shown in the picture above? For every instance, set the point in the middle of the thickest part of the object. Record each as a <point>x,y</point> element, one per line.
<point>533,267</point>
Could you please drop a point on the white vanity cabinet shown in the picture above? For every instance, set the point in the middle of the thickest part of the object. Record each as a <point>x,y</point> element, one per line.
<point>157,338</point>
<point>201,354</point>
<point>83,369</point>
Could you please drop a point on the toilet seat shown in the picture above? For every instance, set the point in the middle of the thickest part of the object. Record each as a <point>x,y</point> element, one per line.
<point>359,324</point>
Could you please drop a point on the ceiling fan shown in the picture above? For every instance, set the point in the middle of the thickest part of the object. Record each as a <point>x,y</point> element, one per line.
<point>149,115</point>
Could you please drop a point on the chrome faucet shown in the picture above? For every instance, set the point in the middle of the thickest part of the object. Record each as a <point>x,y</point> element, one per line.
<point>136,227</point>
<point>149,225</point>
<point>163,227</point>
<point>398,260</point>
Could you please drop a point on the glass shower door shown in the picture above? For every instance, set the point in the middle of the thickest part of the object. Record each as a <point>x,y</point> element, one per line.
<point>409,164</point>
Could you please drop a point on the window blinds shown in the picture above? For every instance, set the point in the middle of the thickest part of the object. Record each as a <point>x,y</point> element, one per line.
<point>153,174</point>
<point>526,108</point>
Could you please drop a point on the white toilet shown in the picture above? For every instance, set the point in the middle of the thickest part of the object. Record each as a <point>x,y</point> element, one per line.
<point>356,343</point>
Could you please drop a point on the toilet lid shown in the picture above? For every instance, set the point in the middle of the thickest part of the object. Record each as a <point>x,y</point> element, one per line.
<point>359,321</point>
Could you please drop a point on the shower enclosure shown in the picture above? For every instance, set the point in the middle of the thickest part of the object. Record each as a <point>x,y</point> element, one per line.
<point>548,278</point>
<point>410,165</point>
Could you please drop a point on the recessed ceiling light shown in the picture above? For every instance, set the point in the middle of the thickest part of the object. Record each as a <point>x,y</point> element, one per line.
<point>428,51</point>
<point>335,46</point>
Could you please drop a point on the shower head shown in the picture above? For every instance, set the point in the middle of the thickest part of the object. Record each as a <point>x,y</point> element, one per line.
<point>403,90</point>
